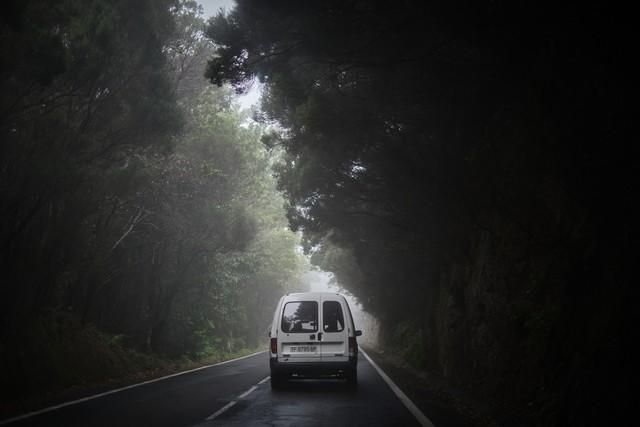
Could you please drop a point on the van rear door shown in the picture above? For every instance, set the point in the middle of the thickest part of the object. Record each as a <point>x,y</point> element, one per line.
<point>298,332</point>
<point>333,346</point>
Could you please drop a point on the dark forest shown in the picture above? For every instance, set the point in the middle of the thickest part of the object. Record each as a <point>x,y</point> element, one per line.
<point>464,169</point>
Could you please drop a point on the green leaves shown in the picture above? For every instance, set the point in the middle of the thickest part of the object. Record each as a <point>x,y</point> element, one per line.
<point>134,196</point>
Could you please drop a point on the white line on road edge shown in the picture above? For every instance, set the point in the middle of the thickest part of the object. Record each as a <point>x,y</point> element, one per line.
<point>233,402</point>
<point>95,396</point>
<point>422,418</point>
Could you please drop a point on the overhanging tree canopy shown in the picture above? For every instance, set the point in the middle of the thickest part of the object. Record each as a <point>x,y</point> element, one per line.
<point>453,151</point>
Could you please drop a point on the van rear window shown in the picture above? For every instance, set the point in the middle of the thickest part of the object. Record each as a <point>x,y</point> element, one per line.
<point>300,316</point>
<point>332,317</point>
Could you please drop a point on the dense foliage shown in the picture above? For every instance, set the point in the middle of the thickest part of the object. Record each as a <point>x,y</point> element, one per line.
<point>462,168</point>
<point>137,202</point>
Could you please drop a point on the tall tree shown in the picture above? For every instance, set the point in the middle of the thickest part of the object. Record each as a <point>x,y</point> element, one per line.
<point>137,204</point>
<point>454,152</point>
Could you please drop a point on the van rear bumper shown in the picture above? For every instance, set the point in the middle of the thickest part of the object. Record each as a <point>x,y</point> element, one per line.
<point>312,369</point>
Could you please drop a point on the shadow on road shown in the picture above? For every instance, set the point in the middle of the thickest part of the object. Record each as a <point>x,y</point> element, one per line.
<point>317,386</point>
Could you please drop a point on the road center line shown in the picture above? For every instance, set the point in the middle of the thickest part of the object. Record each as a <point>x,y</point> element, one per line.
<point>233,402</point>
<point>95,396</point>
<point>246,393</point>
<point>421,417</point>
<point>221,410</point>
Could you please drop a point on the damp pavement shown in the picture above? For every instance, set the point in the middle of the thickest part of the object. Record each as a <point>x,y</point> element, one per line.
<point>238,393</point>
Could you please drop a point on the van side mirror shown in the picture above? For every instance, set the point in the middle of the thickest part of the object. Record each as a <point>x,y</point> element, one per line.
<point>358,333</point>
<point>269,333</point>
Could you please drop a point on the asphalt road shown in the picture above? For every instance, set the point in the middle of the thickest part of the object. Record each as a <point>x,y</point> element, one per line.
<point>238,393</point>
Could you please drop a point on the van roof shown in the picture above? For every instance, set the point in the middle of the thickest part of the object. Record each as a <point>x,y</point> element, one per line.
<point>312,294</point>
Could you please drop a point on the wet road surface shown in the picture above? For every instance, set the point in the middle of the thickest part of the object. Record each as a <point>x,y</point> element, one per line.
<point>238,393</point>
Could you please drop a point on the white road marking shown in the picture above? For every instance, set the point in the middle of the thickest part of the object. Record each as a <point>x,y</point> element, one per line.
<point>221,410</point>
<point>246,393</point>
<point>95,396</point>
<point>422,418</point>
<point>233,402</point>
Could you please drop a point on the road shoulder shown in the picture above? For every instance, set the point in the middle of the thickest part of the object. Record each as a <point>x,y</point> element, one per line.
<point>438,402</point>
<point>84,392</point>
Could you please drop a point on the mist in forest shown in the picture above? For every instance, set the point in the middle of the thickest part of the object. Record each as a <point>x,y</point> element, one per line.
<point>322,281</point>
<point>461,171</point>
<point>142,222</point>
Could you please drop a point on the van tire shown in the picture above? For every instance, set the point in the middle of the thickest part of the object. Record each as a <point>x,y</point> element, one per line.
<point>352,378</point>
<point>277,382</point>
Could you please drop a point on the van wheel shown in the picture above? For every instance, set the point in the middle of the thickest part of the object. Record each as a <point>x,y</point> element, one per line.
<point>277,382</point>
<point>352,378</point>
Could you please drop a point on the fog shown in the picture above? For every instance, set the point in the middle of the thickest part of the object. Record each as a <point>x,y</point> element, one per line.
<point>323,281</point>
<point>463,168</point>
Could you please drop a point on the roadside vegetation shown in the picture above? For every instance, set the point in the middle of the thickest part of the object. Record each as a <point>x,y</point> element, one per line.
<point>464,169</point>
<point>142,230</point>
<point>461,167</point>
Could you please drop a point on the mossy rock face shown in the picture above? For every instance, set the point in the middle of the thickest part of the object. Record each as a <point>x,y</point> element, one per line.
<point>408,341</point>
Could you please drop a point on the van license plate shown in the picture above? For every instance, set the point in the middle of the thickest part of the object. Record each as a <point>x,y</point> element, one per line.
<point>303,349</point>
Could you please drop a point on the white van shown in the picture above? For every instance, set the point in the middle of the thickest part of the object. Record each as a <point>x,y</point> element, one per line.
<point>313,336</point>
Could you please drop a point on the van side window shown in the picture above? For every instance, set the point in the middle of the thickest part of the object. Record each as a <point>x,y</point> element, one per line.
<point>300,316</point>
<point>332,317</point>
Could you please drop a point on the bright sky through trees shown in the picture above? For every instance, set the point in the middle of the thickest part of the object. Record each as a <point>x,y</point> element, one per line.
<point>211,7</point>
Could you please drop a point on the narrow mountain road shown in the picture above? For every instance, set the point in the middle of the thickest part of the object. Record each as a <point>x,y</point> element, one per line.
<point>238,393</point>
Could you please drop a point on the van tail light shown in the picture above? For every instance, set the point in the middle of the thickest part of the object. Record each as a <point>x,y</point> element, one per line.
<point>274,345</point>
<point>353,347</point>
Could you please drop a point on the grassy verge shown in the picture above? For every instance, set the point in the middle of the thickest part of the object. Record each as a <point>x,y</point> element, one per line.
<point>52,362</point>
